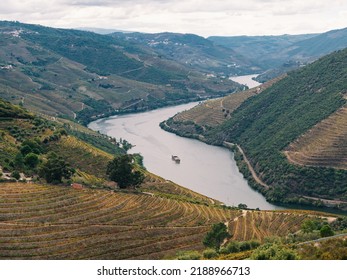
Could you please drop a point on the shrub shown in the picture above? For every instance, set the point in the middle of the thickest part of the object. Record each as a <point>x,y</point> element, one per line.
<point>326,231</point>
<point>55,169</point>
<point>210,253</point>
<point>273,251</point>
<point>189,255</point>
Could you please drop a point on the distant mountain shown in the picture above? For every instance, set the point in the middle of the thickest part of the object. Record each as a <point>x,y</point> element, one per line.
<point>84,75</point>
<point>266,50</point>
<point>196,52</point>
<point>280,54</point>
<point>322,44</point>
<point>102,31</point>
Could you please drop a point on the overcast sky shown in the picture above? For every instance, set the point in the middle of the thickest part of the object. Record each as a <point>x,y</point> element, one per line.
<point>202,17</point>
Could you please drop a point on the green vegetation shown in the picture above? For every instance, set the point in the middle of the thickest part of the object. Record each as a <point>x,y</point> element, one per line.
<point>274,251</point>
<point>216,236</point>
<point>264,125</point>
<point>7,110</point>
<point>15,174</point>
<point>122,170</point>
<point>55,169</point>
<point>326,231</point>
<point>335,249</point>
<point>84,76</point>
<point>44,150</point>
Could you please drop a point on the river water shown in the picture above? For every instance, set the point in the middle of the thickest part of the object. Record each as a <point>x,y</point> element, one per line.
<point>206,169</point>
<point>246,80</point>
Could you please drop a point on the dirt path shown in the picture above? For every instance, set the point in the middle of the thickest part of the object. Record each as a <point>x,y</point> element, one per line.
<point>323,239</point>
<point>327,202</point>
<point>250,167</point>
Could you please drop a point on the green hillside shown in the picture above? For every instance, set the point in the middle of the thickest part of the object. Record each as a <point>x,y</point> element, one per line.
<point>86,216</point>
<point>266,50</point>
<point>7,110</point>
<point>195,52</point>
<point>265,124</point>
<point>82,75</point>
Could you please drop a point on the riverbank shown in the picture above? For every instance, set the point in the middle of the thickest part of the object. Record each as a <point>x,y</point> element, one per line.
<point>257,184</point>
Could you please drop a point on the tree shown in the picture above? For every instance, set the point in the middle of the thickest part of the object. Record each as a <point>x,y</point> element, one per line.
<point>19,161</point>
<point>15,174</point>
<point>55,169</point>
<point>326,231</point>
<point>309,226</point>
<point>216,236</point>
<point>31,160</point>
<point>242,206</point>
<point>25,149</point>
<point>122,170</point>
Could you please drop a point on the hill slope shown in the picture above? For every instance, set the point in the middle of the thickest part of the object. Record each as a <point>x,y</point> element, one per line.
<point>46,222</point>
<point>78,221</point>
<point>195,52</point>
<point>267,50</point>
<point>307,107</point>
<point>280,54</point>
<point>323,145</point>
<point>211,113</point>
<point>266,124</point>
<point>85,75</point>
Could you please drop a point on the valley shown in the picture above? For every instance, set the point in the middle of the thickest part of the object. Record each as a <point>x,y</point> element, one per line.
<point>69,192</point>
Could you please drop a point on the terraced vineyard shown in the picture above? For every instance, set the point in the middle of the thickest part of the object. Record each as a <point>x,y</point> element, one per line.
<point>216,111</point>
<point>323,145</point>
<point>158,186</point>
<point>258,225</point>
<point>82,155</point>
<point>46,222</point>
<point>51,222</point>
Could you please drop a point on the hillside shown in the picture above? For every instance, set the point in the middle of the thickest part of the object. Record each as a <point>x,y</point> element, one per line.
<point>267,123</point>
<point>306,108</point>
<point>210,113</point>
<point>66,223</point>
<point>195,52</point>
<point>87,217</point>
<point>323,145</point>
<point>267,50</point>
<point>84,75</point>
<point>279,54</point>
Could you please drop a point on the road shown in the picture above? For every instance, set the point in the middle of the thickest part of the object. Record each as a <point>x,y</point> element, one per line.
<point>323,239</point>
<point>250,167</point>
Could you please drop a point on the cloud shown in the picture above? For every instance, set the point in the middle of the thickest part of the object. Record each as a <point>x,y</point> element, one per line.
<point>204,17</point>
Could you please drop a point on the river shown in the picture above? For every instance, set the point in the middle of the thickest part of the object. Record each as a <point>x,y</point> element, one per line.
<point>206,169</point>
<point>246,80</point>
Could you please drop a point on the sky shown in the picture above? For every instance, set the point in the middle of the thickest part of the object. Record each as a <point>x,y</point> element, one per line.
<point>202,17</point>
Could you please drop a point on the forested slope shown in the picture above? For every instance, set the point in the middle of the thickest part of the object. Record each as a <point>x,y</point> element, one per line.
<point>264,125</point>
